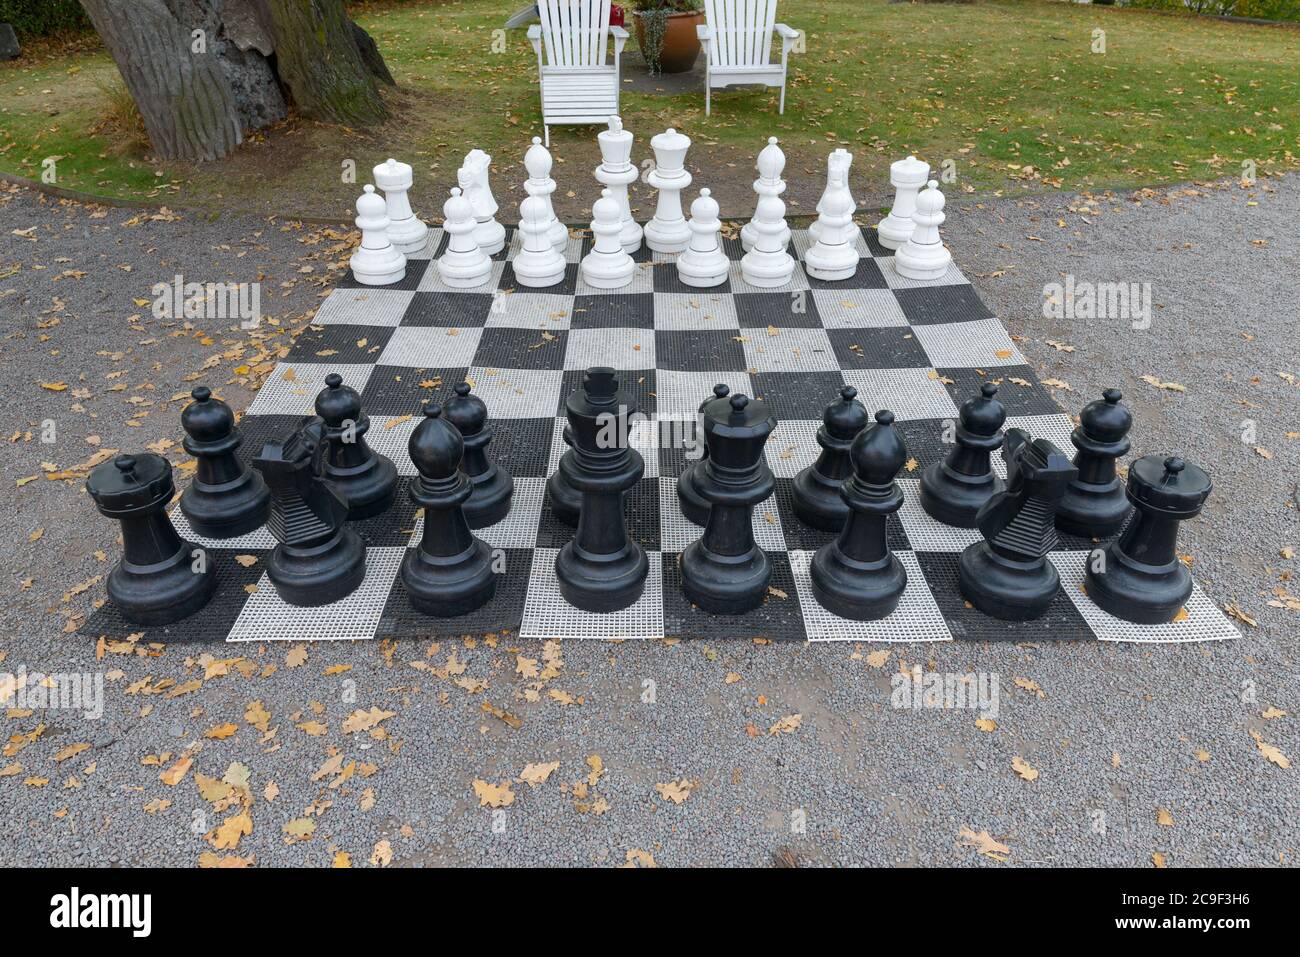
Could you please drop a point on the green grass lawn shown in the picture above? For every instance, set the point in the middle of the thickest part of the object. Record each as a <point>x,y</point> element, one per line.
<point>1011,93</point>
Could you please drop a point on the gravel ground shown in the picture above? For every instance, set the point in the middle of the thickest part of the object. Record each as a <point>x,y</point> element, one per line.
<point>1118,734</point>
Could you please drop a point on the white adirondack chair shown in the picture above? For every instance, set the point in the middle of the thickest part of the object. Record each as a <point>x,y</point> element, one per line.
<point>578,86</point>
<point>737,41</point>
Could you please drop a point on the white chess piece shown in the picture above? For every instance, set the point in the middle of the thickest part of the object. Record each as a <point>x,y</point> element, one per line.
<point>538,264</point>
<point>377,262</point>
<point>405,230</point>
<point>607,266</point>
<point>617,172</point>
<point>538,162</point>
<point>924,257</point>
<point>463,264</point>
<point>667,232</point>
<point>835,254</point>
<point>768,263</point>
<point>489,234</point>
<point>843,156</point>
<point>704,263</point>
<point>770,165</point>
<point>907,176</point>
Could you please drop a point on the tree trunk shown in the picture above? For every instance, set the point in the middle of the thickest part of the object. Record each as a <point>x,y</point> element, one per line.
<point>205,72</point>
<point>318,59</point>
<point>197,92</point>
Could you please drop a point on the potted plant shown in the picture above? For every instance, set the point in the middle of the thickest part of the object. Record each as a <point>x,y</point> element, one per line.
<point>665,31</point>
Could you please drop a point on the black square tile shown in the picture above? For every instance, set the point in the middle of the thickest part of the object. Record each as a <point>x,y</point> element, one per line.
<point>565,287</point>
<point>666,280</point>
<point>522,447</point>
<point>1062,622</point>
<point>925,441</point>
<point>503,254</point>
<point>398,390</point>
<point>699,350</point>
<point>460,310</point>
<point>797,395</point>
<point>930,305</point>
<point>784,310</point>
<point>1016,397</point>
<point>867,276</point>
<point>512,348</point>
<point>614,311</point>
<point>778,618</point>
<point>504,612</point>
<point>410,282</point>
<point>359,345</point>
<point>877,248</point>
<point>392,527</point>
<point>891,347</point>
<point>677,448</point>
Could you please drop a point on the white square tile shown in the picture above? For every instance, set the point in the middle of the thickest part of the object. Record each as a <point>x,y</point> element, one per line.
<point>548,615</point>
<point>789,350</point>
<point>518,529</point>
<point>291,388</point>
<point>981,344</point>
<point>431,347</point>
<point>676,531</point>
<point>792,446</point>
<point>531,310</point>
<point>908,393</point>
<point>363,307</point>
<point>390,435</point>
<point>917,617</point>
<point>858,308</point>
<point>926,534</point>
<point>678,394</point>
<point>695,310</point>
<point>518,393</point>
<point>624,349</point>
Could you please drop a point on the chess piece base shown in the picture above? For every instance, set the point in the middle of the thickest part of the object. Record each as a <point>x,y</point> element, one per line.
<point>894,231</point>
<point>601,583</point>
<point>369,488</point>
<point>817,501</point>
<point>376,268</point>
<point>490,236</point>
<point>694,506</point>
<point>461,278</point>
<point>921,264</point>
<point>318,575</point>
<point>663,238</point>
<point>448,586</point>
<point>609,279</point>
<point>629,236</point>
<point>490,500</point>
<point>1137,592</point>
<point>702,276</point>
<point>410,238</point>
<point>537,278</point>
<point>861,591</point>
<point>229,509</point>
<point>955,499</point>
<point>1093,511</point>
<point>830,266</point>
<point>163,592</point>
<point>725,584</point>
<point>1005,589</point>
<point>775,269</point>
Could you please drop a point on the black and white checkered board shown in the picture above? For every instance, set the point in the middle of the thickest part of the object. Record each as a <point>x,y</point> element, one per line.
<point>919,349</point>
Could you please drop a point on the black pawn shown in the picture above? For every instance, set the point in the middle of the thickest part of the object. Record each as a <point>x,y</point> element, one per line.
<point>954,490</point>
<point>1008,575</point>
<point>490,501</point>
<point>566,501</point>
<point>161,578</point>
<point>817,498</point>
<point>1139,577</point>
<point>601,569</point>
<point>1095,505</point>
<point>725,572</point>
<point>450,573</point>
<point>694,506</point>
<point>857,576</point>
<point>318,558</point>
<point>225,499</point>
<point>366,479</point>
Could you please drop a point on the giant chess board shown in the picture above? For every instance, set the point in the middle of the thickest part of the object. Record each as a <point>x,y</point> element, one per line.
<point>919,349</point>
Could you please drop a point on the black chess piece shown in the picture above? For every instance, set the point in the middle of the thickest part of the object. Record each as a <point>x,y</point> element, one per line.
<point>857,576</point>
<point>566,501</point>
<point>366,480</point>
<point>601,569</point>
<point>318,558</point>
<point>693,504</point>
<point>493,487</point>
<point>817,498</point>
<point>954,490</point>
<point>1008,575</point>
<point>725,572</point>
<point>225,499</point>
<point>161,578</point>
<point>450,573</point>
<point>1094,504</point>
<point>1139,577</point>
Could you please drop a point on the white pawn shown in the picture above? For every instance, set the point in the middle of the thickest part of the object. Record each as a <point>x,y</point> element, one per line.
<point>540,184</point>
<point>464,264</point>
<point>924,256</point>
<point>405,230</point>
<point>841,155</point>
<point>667,232</point>
<point>835,254</point>
<point>617,172</point>
<point>767,263</point>
<point>907,176</point>
<point>770,165</point>
<point>538,264</point>
<point>607,266</point>
<point>377,262</point>
<point>489,234</point>
<point>704,263</point>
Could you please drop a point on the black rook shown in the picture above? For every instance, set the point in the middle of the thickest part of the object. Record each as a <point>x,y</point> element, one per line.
<point>161,578</point>
<point>225,499</point>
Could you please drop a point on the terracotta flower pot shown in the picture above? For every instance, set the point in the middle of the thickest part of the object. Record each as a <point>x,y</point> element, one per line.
<point>681,45</point>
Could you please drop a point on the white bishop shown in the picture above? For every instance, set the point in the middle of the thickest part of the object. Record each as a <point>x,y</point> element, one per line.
<point>538,162</point>
<point>770,164</point>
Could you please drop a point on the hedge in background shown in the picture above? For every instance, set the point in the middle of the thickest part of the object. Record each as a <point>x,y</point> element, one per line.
<point>42,18</point>
<point>1263,9</point>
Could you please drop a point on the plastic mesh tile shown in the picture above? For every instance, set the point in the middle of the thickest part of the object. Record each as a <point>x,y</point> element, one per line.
<point>789,350</point>
<point>917,617</point>
<point>952,277</point>
<point>547,615</point>
<point>625,349</point>
<point>677,532</point>
<point>291,388</point>
<point>980,345</point>
<point>440,347</point>
<point>695,310</point>
<point>531,310</point>
<point>679,394</point>
<point>363,307</point>
<point>908,393</point>
<point>792,446</point>
<point>518,529</point>
<point>858,308</point>
<point>518,393</point>
<point>925,533</point>
<point>259,539</point>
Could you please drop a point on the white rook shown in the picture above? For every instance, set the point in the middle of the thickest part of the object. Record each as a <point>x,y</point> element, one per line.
<point>907,176</point>
<point>405,230</point>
